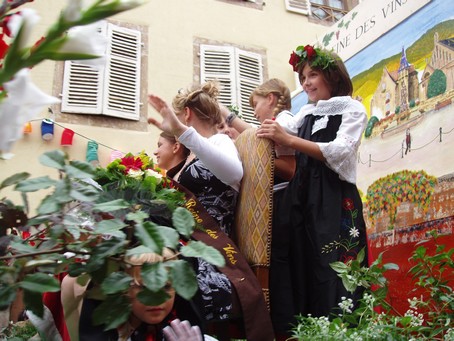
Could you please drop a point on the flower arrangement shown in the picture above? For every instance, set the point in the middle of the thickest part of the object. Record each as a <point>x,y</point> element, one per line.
<point>315,56</point>
<point>87,225</point>
<point>72,37</point>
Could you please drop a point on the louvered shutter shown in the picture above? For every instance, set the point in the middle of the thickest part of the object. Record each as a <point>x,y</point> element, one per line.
<point>249,75</point>
<point>83,85</point>
<point>217,63</point>
<point>299,6</point>
<point>122,77</point>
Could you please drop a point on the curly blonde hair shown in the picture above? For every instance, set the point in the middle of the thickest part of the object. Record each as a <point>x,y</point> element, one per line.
<point>277,87</point>
<point>202,99</point>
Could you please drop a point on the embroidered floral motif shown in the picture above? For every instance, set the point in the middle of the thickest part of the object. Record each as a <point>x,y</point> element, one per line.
<point>347,242</point>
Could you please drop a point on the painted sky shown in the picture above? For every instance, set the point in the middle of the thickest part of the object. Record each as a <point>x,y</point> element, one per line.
<point>404,34</point>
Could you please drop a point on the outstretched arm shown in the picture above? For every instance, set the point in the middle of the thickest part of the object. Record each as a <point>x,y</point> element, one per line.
<point>170,122</point>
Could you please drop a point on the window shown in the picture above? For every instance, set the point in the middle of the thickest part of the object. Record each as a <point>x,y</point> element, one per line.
<point>238,71</point>
<point>328,11</point>
<point>113,89</point>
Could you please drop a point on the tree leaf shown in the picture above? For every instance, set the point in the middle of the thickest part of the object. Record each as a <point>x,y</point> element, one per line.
<point>40,282</point>
<point>151,298</point>
<point>35,184</point>
<point>339,267</point>
<point>154,276</point>
<point>48,205</point>
<point>112,312</point>
<point>7,295</point>
<point>183,278</point>
<point>55,159</point>
<point>110,206</point>
<point>200,249</point>
<point>84,192</point>
<point>34,301</point>
<point>79,170</point>
<point>14,179</point>
<point>116,282</point>
<point>183,221</point>
<point>148,234</point>
<point>169,235</point>
<point>112,227</point>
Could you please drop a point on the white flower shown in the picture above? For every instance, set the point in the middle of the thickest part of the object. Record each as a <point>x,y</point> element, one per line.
<point>86,40</point>
<point>150,172</point>
<point>354,232</point>
<point>346,304</point>
<point>23,103</point>
<point>135,174</point>
<point>73,11</point>
<point>27,19</point>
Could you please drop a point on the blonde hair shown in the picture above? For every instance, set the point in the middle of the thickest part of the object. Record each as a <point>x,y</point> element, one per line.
<point>276,87</point>
<point>202,99</point>
<point>134,263</point>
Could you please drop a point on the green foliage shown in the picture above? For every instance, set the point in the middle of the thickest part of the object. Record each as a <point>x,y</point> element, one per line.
<point>437,84</point>
<point>370,126</point>
<point>88,224</point>
<point>428,317</point>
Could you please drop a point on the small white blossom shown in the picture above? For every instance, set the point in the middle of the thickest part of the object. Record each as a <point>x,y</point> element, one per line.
<point>73,11</point>
<point>354,232</point>
<point>154,174</point>
<point>124,5</point>
<point>27,19</point>
<point>135,174</point>
<point>346,304</point>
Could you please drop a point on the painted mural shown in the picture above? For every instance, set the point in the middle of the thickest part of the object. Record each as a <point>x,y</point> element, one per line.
<point>405,79</point>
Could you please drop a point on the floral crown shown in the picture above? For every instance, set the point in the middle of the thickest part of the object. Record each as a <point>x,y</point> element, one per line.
<point>314,55</point>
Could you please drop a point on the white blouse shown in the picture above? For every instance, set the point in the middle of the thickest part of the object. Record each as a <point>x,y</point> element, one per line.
<point>340,154</point>
<point>218,153</point>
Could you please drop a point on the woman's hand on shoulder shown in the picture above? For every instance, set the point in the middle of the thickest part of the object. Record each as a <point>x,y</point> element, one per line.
<point>272,130</point>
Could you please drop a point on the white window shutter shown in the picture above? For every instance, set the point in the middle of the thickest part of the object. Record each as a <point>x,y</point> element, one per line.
<point>249,74</point>
<point>298,6</point>
<point>122,76</point>
<point>83,85</point>
<point>217,63</point>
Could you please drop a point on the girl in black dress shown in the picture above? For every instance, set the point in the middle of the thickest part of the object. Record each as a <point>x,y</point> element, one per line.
<point>320,217</point>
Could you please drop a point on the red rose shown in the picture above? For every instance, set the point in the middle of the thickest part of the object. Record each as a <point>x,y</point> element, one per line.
<point>310,52</point>
<point>294,60</point>
<point>347,204</point>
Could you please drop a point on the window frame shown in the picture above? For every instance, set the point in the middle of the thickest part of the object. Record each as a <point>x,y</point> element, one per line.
<point>239,70</point>
<point>114,118</point>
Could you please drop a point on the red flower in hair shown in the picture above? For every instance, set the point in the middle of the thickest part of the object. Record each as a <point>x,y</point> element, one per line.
<point>3,47</point>
<point>294,61</point>
<point>311,53</point>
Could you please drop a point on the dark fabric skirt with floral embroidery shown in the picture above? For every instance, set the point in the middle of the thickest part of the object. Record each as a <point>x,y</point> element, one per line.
<point>319,221</point>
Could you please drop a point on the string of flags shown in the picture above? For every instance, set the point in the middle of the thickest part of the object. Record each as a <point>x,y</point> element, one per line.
<point>67,136</point>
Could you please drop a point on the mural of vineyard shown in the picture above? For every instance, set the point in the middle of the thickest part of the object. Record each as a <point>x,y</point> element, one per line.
<point>405,162</point>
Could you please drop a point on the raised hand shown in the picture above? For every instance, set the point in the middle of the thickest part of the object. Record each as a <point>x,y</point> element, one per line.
<point>170,122</point>
<point>182,331</point>
<point>272,130</point>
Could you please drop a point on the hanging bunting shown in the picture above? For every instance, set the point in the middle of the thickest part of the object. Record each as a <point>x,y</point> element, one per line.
<point>28,128</point>
<point>92,151</point>
<point>47,129</point>
<point>67,137</point>
<point>115,154</point>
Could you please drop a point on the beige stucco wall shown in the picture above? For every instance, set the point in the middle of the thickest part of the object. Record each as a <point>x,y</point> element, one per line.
<point>172,27</point>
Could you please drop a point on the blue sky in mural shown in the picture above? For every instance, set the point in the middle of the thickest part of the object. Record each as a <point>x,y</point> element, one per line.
<point>405,34</point>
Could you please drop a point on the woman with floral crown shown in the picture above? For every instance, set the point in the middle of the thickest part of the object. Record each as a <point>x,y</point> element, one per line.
<point>321,219</point>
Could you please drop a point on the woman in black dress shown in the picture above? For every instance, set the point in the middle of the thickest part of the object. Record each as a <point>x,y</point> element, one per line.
<point>321,219</point>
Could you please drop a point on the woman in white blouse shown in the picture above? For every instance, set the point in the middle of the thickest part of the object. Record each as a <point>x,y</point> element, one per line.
<point>321,219</point>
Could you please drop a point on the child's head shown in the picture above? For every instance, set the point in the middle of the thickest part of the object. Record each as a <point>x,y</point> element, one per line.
<point>270,98</point>
<point>202,100</point>
<point>139,311</point>
<point>328,63</point>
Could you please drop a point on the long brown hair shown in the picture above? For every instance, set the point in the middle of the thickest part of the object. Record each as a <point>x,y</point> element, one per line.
<point>277,87</point>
